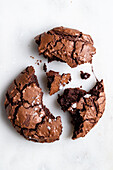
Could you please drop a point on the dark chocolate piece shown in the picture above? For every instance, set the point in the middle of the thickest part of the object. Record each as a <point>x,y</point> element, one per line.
<point>67,45</point>
<point>57,81</point>
<point>25,109</point>
<point>84,75</point>
<point>85,108</point>
<point>45,67</point>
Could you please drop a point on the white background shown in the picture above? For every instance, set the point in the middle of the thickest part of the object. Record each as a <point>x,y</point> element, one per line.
<point>20,22</point>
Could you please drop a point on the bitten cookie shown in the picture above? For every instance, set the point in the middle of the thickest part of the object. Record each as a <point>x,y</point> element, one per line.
<point>67,45</point>
<point>57,81</point>
<point>85,108</point>
<point>25,109</point>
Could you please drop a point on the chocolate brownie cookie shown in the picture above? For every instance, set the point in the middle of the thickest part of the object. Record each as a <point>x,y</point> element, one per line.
<point>67,45</point>
<point>85,108</point>
<point>57,81</point>
<point>84,75</point>
<point>25,109</point>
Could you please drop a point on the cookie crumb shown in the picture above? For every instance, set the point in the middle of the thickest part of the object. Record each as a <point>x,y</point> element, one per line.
<point>84,75</point>
<point>45,67</point>
<point>32,57</point>
<point>38,62</point>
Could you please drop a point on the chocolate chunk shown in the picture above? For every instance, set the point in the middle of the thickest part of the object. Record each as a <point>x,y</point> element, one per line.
<point>25,109</point>
<point>67,45</point>
<point>45,67</point>
<point>84,75</point>
<point>85,108</point>
<point>57,81</point>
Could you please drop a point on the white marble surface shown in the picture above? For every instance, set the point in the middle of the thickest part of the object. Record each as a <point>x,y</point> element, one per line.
<point>20,22</point>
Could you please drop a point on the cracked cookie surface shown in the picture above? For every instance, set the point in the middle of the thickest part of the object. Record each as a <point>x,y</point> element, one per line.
<point>67,45</point>
<point>85,108</point>
<point>57,81</point>
<point>25,109</point>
